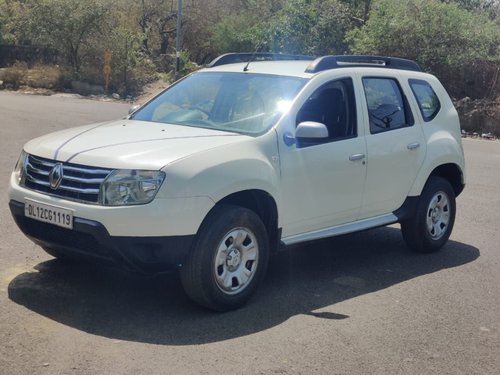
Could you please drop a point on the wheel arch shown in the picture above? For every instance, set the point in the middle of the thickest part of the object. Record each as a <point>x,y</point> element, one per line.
<point>450,171</point>
<point>453,174</point>
<point>263,204</point>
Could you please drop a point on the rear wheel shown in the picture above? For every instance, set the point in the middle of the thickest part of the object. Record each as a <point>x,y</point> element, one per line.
<point>433,222</point>
<point>228,259</point>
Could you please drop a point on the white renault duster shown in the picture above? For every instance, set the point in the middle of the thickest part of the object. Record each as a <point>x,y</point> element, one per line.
<point>245,157</point>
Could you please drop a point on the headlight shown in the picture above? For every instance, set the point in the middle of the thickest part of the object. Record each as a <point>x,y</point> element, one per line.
<point>130,187</point>
<point>20,168</point>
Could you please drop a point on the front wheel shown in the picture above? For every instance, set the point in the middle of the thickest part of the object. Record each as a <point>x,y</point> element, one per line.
<point>432,224</point>
<point>228,259</point>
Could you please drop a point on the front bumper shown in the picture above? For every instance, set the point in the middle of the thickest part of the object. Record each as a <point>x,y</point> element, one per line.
<point>163,217</point>
<point>90,239</point>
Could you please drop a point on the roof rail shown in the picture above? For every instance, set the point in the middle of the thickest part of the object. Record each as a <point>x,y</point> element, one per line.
<point>342,61</point>
<point>232,58</point>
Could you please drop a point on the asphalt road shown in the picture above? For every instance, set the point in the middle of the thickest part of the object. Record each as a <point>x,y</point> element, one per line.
<point>357,304</point>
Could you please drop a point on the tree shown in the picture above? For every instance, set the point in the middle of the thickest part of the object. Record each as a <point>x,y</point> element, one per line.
<point>157,22</point>
<point>67,25</point>
<point>466,4</point>
<point>310,27</point>
<point>360,9</point>
<point>300,26</point>
<point>434,33</point>
<point>459,46</point>
<point>246,28</point>
<point>236,34</point>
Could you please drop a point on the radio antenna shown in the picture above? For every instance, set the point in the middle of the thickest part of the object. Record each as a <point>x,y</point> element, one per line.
<point>257,47</point>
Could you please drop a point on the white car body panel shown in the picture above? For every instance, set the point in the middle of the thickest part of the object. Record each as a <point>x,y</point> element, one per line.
<point>443,139</point>
<point>291,68</point>
<point>249,164</point>
<point>128,144</point>
<point>321,187</point>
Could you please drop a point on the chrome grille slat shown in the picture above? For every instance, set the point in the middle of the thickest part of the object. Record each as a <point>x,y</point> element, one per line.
<point>83,180</point>
<point>37,180</point>
<point>88,171</point>
<point>36,170</point>
<point>48,163</point>
<point>78,190</point>
<point>79,183</point>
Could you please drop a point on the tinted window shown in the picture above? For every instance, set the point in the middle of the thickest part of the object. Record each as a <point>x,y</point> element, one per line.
<point>387,106</point>
<point>427,99</point>
<point>332,105</point>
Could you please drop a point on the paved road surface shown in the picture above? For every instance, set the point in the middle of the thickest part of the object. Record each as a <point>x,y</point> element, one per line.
<point>358,304</point>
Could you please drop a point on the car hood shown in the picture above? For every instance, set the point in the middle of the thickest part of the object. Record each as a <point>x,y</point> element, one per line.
<point>128,144</point>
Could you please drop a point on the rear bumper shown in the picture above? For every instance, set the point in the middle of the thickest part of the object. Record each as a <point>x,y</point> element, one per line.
<point>90,239</point>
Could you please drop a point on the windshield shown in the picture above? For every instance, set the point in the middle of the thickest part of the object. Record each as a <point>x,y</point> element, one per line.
<point>234,102</point>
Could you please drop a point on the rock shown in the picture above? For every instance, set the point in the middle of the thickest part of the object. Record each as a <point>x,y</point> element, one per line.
<point>463,101</point>
<point>487,135</point>
<point>115,96</point>
<point>480,116</point>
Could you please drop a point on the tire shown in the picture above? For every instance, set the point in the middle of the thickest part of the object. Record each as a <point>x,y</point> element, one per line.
<point>228,259</point>
<point>432,224</point>
<point>59,256</point>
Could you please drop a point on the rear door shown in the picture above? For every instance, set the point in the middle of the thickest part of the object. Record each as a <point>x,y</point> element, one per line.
<point>395,143</point>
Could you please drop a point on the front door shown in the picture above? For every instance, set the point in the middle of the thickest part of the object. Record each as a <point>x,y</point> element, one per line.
<point>322,184</point>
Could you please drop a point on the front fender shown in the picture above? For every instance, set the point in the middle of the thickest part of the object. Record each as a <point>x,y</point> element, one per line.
<point>250,164</point>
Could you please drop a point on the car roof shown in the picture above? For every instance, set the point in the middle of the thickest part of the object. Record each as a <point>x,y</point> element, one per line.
<point>283,68</point>
<point>294,68</point>
<point>293,65</point>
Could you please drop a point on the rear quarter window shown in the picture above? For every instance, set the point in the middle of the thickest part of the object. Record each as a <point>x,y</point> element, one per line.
<point>427,100</point>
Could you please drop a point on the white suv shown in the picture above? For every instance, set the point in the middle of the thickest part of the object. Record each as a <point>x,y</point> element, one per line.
<point>241,159</point>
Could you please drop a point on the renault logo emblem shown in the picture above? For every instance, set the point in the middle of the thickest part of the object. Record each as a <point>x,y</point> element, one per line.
<point>56,176</point>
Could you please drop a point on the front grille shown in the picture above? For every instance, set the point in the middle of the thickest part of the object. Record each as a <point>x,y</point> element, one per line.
<point>79,183</point>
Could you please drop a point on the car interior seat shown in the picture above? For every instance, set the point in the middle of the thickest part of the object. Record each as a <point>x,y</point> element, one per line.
<point>333,109</point>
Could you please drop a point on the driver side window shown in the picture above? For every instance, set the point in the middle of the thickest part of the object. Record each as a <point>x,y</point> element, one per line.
<point>332,105</point>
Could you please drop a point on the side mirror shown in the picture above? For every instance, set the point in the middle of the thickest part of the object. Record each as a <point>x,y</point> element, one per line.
<point>310,133</point>
<point>133,109</point>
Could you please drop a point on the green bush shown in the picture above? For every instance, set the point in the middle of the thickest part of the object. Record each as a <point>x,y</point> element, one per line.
<point>429,31</point>
<point>235,33</point>
<point>14,76</point>
<point>186,65</point>
<point>443,38</point>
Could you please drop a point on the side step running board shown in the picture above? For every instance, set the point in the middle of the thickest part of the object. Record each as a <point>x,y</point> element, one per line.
<point>355,226</point>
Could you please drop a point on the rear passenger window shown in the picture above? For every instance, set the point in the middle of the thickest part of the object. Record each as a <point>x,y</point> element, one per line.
<point>388,108</point>
<point>427,99</point>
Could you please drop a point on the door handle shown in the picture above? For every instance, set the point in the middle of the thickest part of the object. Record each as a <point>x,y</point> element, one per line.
<point>355,157</point>
<point>413,146</point>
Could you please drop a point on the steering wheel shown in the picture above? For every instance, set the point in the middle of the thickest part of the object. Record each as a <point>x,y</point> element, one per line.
<point>202,110</point>
<point>386,120</point>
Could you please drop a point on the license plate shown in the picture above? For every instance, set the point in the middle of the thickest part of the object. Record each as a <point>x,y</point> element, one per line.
<point>48,214</point>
